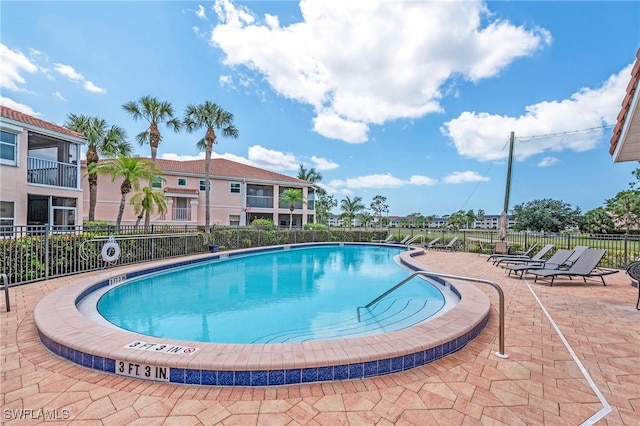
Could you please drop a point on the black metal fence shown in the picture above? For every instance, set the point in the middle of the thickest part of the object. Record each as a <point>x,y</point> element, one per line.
<point>34,253</point>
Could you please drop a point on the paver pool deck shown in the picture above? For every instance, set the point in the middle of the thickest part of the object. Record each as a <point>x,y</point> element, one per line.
<point>595,376</point>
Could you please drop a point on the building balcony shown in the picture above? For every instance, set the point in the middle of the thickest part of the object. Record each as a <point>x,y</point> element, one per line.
<point>52,173</point>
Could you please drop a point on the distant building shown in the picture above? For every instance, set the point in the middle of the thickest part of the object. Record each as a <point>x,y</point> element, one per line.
<point>239,194</point>
<point>493,222</point>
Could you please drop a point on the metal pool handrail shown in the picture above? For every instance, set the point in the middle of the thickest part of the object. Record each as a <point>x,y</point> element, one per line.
<point>501,353</point>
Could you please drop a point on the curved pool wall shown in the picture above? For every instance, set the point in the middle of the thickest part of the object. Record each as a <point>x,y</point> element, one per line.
<point>65,331</point>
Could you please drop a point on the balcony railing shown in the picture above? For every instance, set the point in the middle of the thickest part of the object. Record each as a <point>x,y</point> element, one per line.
<point>257,201</point>
<point>181,214</point>
<point>54,173</point>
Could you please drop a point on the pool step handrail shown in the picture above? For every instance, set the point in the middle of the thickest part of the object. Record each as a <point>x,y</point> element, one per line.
<point>414,239</point>
<point>500,353</point>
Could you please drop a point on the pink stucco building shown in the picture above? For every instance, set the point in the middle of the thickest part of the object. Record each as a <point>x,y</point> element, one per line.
<point>239,194</point>
<point>39,172</point>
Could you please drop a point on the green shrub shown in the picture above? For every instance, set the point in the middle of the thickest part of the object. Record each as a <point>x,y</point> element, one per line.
<point>263,223</point>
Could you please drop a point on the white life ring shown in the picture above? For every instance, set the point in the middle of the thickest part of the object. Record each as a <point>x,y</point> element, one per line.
<point>110,250</point>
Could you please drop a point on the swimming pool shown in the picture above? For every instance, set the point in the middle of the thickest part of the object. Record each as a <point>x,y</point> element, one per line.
<point>67,332</point>
<point>296,295</point>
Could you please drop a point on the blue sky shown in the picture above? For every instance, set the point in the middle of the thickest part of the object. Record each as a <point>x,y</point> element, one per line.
<point>414,101</point>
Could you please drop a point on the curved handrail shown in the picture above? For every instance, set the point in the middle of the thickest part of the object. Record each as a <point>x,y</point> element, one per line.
<point>417,237</point>
<point>501,353</point>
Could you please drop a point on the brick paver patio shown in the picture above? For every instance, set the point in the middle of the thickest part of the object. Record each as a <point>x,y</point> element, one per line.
<point>596,378</point>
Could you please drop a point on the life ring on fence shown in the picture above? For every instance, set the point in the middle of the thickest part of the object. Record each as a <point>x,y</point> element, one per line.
<point>110,250</point>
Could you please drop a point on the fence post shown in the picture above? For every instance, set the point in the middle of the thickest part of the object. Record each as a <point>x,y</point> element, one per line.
<point>626,252</point>
<point>5,286</point>
<point>47,253</point>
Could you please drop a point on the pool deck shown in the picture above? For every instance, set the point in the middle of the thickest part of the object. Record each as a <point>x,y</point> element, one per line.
<point>594,376</point>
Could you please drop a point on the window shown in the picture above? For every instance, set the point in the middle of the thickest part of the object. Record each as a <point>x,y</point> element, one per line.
<point>7,216</point>
<point>234,188</point>
<point>202,186</point>
<point>8,143</point>
<point>156,182</point>
<point>234,220</point>
<point>182,182</point>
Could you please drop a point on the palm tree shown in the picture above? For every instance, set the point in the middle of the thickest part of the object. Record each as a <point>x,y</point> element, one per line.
<point>210,116</point>
<point>146,200</point>
<point>310,175</point>
<point>155,112</point>
<point>351,207</point>
<point>132,170</point>
<point>101,140</point>
<point>292,196</point>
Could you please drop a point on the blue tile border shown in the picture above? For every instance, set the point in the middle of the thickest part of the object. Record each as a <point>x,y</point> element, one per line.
<point>280,377</point>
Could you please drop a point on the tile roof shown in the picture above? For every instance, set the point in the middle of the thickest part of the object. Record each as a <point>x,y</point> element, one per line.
<point>625,111</point>
<point>181,190</point>
<point>225,168</point>
<point>14,115</point>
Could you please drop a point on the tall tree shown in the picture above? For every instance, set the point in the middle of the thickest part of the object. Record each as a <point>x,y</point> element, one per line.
<point>596,221</point>
<point>379,206</point>
<point>132,170</point>
<point>545,215</point>
<point>310,175</point>
<point>351,207</point>
<point>146,200</point>
<point>102,140</point>
<point>292,196</point>
<point>365,218</point>
<point>625,208</point>
<point>155,112</point>
<point>324,204</point>
<point>211,117</point>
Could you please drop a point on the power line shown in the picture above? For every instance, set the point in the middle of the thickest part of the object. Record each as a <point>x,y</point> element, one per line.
<point>482,180</point>
<point>571,132</point>
<point>527,138</point>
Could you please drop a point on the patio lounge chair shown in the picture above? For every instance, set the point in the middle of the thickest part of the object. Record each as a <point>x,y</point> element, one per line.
<point>519,257</point>
<point>431,243</point>
<point>554,262</point>
<point>501,249</point>
<point>386,240</point>
<point>586,267</point>
<point>451,245</point>
<point>633,270</point>
<point>561,259</point>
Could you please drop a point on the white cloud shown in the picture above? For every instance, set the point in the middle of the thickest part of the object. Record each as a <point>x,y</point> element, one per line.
<point>226,80</point>
<point>58,95</point>
<point>360,63</point>
<point>380,181</point>
<point>18,106</point>
<point>68,71</point>
<point>273,160</point>
<point>201,13</point>
<point>464,177</point>
<point>90,87</point>
<point>483,136</point>
<point>14,63</point>
<point>181,157</point>
<point>323,164</point>
<point>548,162</point>
<point>422,180</point>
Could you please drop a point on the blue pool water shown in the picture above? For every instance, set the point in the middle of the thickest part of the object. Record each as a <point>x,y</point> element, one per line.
<point>274,297</point>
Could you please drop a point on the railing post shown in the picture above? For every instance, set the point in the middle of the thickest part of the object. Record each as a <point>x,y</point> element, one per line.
<point>626,251</point>
<point>46,251</point>
<point>5,287</point>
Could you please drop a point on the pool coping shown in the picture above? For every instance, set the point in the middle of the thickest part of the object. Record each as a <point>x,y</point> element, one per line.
<point>69,334</point>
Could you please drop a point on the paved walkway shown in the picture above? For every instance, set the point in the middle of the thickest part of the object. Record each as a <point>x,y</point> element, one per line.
<point>542,382</point>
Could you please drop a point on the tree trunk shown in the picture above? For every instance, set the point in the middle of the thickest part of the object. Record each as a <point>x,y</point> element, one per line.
<point>207,187</point>
<point>121,211</point>
<point>92,158</point>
